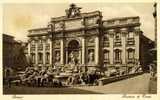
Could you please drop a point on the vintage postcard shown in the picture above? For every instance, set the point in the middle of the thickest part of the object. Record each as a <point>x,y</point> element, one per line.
<point>107,48</point>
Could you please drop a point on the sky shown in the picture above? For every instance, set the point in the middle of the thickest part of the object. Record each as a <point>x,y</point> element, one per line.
<point>19,18</point>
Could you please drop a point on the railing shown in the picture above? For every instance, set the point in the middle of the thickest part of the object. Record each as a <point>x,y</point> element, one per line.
<point>118,61</point>
<point>106,61</point>
<point>131,60</point>
<point>40,61</point>
<point>47,61</point>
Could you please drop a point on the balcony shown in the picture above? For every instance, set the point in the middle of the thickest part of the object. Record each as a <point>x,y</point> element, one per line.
<point>131,60</point>
<point>106,43</point>
<point>26,50</point>
<point>47,61</point>
<point>117,42</point>
<point>40,62</point>
<point>106,61</point>
<point>118,61</point>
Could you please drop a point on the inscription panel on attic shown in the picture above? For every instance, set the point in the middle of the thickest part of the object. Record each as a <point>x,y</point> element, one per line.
<point>73,34</point>
<point>74,24</point>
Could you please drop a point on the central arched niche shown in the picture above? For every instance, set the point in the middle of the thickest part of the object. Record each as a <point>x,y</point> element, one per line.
<point>73,52</point>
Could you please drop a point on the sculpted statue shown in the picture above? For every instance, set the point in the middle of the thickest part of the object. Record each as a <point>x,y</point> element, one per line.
<point>91,57</point>
<point>73,11</point>
<point>72,58</point>
<point>57,57</point>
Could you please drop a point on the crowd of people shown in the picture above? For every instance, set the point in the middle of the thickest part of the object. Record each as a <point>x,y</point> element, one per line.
<point>61,76</point>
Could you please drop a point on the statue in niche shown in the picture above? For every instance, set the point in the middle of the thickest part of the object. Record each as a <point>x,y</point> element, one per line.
<point>91,57</point>
<point>57,57</point>
<point>72,58</point>
<point>73,11</point>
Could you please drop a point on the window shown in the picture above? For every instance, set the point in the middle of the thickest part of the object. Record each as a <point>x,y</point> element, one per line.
<point>131,53</point>
<point>106,37</point>
<point>33,42</point>
<point>117,54</point>
<point>33,57</point>
<point>40,41</point>
<point>122,21</point>
<point>117,36</point>
<point>130,35</point>
<point>40,57</point>
<point>47,57</point>
<point>106,56</point>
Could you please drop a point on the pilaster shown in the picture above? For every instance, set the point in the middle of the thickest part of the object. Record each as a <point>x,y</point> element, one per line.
<point>137,42</point>
<point>62,52</point>
<point>96,50</point>
<point>83,50</point>
<point>111,36</point>
<point>124,31</point>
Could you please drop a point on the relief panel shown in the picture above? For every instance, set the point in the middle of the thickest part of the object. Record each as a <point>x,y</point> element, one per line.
<point>59,26</point>
<point>91,21</point>
<point>57,44</point>
<point>90,41</point>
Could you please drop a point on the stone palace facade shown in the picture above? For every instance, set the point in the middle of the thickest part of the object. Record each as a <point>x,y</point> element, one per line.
<point>88,41</point>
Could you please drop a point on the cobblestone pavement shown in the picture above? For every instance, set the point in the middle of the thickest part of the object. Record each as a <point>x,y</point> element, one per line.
<point>136,85</point>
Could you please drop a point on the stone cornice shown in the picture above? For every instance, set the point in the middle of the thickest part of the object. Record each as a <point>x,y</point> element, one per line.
<point>83,15</point>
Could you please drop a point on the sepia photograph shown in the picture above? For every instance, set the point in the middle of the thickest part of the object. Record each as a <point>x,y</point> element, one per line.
<point>79,48</point>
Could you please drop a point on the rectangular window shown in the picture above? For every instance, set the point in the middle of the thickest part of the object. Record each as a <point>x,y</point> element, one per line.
<point>33,58</point>
<point>40,46</point>
<point>130,35</point>
<point>47,57</point>
<point>117,36</point>
<point>106,55</point>
<point>117,55</point>
<point>131,54</point>
<point>40,57</point>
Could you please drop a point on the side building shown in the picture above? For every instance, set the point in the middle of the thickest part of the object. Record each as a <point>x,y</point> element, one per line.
<point>13,55</point>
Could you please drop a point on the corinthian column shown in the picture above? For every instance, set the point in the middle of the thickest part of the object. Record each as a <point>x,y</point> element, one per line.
<point>83,50</point>
<point>124,32</point>
<point>36,51</point>
<point>97,50</point>
<point>137,42</point>
<point>62,52</point>
<point>111,42</point>
<point>44,51</point>
<point>50,51</point>
<point>29,48</point>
